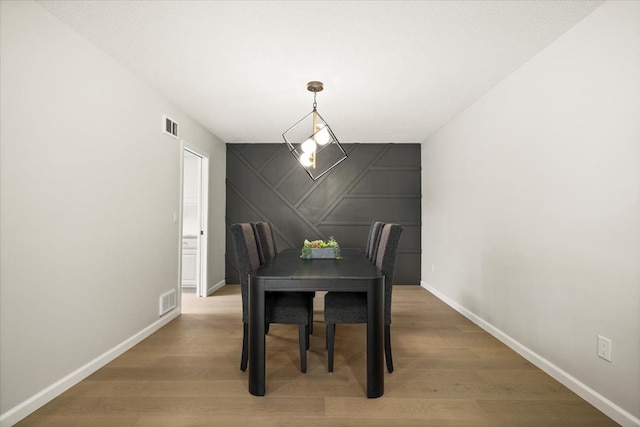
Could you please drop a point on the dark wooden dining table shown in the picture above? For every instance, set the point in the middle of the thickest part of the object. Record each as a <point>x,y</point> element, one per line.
<point>286,272</point>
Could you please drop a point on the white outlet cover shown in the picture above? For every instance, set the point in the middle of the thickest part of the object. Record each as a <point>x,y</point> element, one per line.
<point>604,348</point>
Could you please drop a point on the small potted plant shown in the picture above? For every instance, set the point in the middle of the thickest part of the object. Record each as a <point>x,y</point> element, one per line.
<point>319,249</point>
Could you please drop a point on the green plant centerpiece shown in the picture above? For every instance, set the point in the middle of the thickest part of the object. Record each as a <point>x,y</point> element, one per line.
<point>319,249</point>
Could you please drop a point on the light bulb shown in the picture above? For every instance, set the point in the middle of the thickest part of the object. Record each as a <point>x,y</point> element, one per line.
<point>309,146</point>
<point>322,136</point>
<point>306,159</point>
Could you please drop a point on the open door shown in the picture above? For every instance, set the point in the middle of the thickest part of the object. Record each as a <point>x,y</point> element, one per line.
<point>194,222</point>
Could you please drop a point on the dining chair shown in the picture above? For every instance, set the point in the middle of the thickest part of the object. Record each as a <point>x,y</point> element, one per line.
<point>372,241</point>
<point>351,307</point>
<point>266,241</point>
<point>267,250</point>
<point>285,307</point>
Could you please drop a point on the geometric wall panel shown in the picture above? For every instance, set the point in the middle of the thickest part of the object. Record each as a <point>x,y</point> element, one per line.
<point>378,182</point>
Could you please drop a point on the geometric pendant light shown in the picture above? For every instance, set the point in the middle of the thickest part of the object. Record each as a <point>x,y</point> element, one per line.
<point>312,142</point>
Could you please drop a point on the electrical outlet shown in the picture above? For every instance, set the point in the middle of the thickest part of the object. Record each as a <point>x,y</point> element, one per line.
<point>604,348</point>
<point>433,267</point>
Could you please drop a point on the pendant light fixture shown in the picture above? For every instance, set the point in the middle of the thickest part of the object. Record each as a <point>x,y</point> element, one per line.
<point>312,142</point>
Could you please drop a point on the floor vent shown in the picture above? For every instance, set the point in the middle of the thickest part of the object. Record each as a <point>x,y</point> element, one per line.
<point>167,302</point>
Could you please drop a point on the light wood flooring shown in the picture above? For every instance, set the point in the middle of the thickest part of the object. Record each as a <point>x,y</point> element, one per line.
<point>448,372</point>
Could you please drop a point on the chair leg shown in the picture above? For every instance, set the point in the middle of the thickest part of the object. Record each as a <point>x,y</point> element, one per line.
<point>307,331</point>
<point>245,347</point>
<point>387,347</point>
<point>331,334</point>
<point>304,329</point>
<point>326,339</point>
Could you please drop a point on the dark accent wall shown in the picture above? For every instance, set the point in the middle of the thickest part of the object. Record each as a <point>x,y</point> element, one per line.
<point>378,182</point>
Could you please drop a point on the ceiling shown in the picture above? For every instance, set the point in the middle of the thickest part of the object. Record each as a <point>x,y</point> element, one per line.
<point>392,71</point>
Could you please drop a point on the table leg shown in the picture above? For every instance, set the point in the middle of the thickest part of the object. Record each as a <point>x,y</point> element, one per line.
<point>375,347</point>
<point>256,338</point>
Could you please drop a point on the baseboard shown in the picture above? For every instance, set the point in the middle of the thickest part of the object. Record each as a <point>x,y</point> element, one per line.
<point>17,413</point>
<point>215,287</point>
<point>603,404</point>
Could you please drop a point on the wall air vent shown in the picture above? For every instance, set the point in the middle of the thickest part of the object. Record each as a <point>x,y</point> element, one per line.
<point>170,127</point>
<point>168,302</point>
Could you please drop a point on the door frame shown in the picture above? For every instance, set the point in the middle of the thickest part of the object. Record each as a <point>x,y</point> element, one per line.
<point>203,214</point>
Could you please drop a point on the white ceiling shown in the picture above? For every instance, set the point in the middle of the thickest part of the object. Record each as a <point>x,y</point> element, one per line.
<point>393,71</point>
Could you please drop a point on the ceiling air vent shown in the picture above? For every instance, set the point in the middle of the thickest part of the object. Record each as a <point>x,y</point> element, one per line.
<point>170,127</point>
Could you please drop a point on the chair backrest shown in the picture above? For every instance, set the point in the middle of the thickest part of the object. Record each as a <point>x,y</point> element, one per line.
<point>245,243</point>
<point>386,262</point>
<point>372,241</point>
<point>266,241</point>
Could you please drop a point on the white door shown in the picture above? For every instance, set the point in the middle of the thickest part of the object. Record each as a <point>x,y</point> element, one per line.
<point>194,221</point>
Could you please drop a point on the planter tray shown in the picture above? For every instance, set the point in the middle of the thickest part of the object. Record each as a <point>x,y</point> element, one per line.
<point>321,253</point>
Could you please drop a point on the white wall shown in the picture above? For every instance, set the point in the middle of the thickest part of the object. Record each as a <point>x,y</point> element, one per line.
<point>531,215</point>
<point>89,185</point>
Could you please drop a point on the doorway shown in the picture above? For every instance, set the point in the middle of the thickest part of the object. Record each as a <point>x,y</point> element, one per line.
<point>195,178</point>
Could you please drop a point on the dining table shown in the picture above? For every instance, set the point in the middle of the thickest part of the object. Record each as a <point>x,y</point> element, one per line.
<point>287,272</point>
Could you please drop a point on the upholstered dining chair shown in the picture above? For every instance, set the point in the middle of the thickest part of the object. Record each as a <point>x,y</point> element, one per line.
<point>281,307</point>
<point>372,241</point>
<point>266,241</point>
<point>267,250</point>
<point>351,307</point>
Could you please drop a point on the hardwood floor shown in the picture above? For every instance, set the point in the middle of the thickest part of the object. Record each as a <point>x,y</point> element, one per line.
<point>448,372</point>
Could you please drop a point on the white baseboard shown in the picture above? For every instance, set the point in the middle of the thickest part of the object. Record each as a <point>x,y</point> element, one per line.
<point>603,404</point>
<point>17,413</point>
<point>215,287</point>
